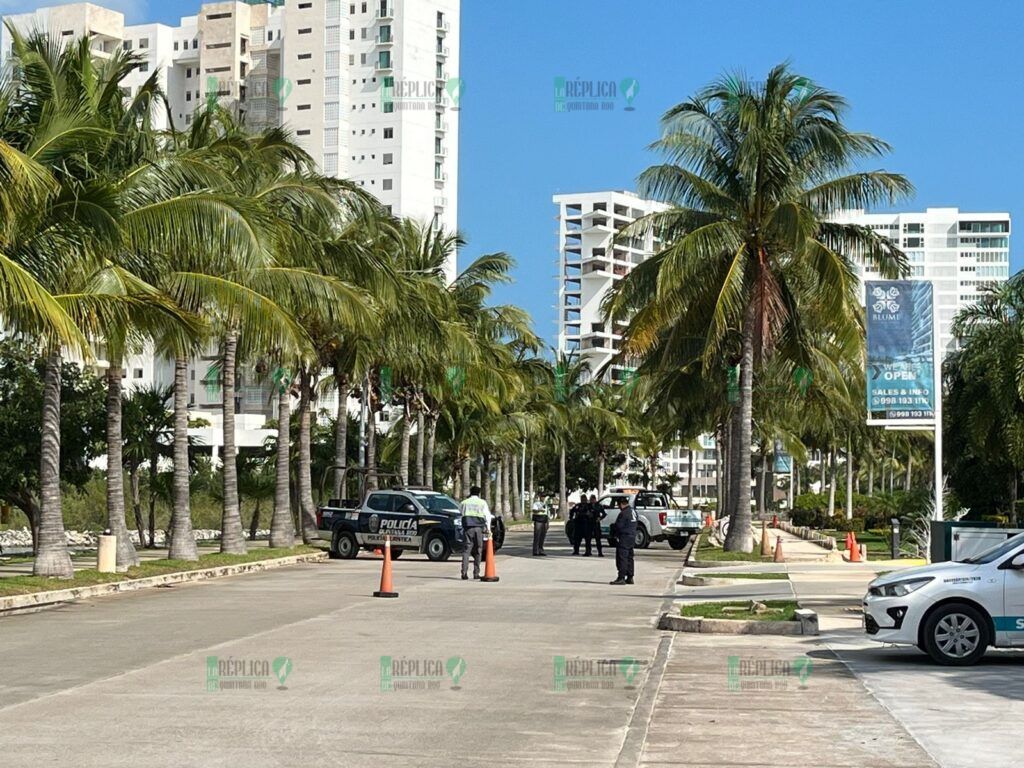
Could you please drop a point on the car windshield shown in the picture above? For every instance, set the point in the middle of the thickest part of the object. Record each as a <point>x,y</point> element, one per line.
<point>437,502</point>
<point>996,552</point>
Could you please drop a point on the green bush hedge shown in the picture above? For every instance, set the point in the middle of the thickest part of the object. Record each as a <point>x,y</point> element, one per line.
<point>811,509</point>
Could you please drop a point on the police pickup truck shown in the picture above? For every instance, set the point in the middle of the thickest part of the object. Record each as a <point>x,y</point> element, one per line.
<point>415,519</point>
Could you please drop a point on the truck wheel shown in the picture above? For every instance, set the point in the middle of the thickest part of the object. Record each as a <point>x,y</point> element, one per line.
<point>956,634</point>
<point>643,540</point>
<point>396,553</point>
<point>678,542</point>
<point>345,546</point>
<point>437,549</point>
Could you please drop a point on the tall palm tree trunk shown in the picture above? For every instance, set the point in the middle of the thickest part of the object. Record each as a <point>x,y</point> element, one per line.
<point>403,457</point>
<point>428,459</point>
<point>499,470</point>
<point>135,484</point>
<point>910,470</point>
<point>476,472</point>
<point>254,522</point>
<point>892,471</point>
<point>183,541</point>
<point>340,434</point>
<point>485,484</point>
<point>52,557</point>
<point>600,472</point>
<point>763,480</point>
<point>420,441</point>
<point>849,478</point>
<point>371,449</point>
<point>832,481</point>
<point>232,540</point>
<point>689,478</point>
<point>282,525</point>
<point>465,473</point>
<point>563,503</point>
<point>307,507</point>
<point>126,554</point>
<point>871,476</point>
<point>739,538</point>
<point>506,484</point>
<point>514,490</point>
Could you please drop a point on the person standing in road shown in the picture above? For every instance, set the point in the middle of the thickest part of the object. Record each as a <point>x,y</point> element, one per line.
<point>540,529</point>
<point>624,530</point>
<point>593,514</point>
<point>578,524</point>
<point>476,523</point>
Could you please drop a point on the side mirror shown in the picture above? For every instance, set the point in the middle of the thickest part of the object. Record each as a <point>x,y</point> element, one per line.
<point>1018,562</point>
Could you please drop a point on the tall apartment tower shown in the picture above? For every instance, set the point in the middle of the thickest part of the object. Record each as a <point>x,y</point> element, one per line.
<point>590,263</point>
<point>959,252</point>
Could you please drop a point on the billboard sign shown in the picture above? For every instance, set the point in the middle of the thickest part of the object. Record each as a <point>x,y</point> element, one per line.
<point>783,464</point>
<point>900,352</point>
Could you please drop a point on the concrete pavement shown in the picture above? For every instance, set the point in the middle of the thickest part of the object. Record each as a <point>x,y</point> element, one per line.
<point>122,681</point>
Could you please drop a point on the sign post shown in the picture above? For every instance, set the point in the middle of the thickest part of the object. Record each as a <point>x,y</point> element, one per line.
<point>904,368</point>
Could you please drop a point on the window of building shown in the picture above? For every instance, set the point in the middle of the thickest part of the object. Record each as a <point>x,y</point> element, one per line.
<point>386,184</point>
<point>438,172</point>
<point>214,16</point>
<point>331,86</point>
<point>136,373</point>
<point>364,7</point>
<point>214,46</point>
<point>175,45</point>
<point>188,95</point>
<point>389,133</point>
<point>303,132</point>
<point>243,45</point>
<point>126,45</point>
<point>330,137</point>
<point>351,34</point>
<point>143,42</point>
<point>67,33</point>
<point>306,31</point>
<point>352,9</point>
<point>385,33</point>
<point>188,72</point>
<point>332,61</point>
<point>331,163</point>
<point>384,60</point>
<point>304,6</point>
<point>362,59</point>
<point>305,56</point>
<point>303,107</point>
<point>332,35</point>
<point>331,110</point>
<point>195,43</point>
<point>388,107</point>
<point>303,81</point>
<point>144,66</point>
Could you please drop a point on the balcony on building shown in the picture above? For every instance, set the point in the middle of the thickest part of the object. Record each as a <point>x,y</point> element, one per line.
<point>594,268</point>
<point>440,126</point>
<point>385,10</point>
<point>442,51</point>
<point>573,256</point>
<point>384,38</point>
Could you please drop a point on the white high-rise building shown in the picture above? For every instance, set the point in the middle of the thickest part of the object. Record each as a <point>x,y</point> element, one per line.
<point>369,89</point>
<point>959,252</point>
<point>590,263</point>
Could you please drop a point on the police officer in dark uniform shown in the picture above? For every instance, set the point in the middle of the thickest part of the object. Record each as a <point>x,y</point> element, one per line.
<point>624,530</point>
<point>577,524</point>
<point>593,514</point>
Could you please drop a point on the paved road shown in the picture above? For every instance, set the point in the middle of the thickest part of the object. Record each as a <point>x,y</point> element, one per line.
<point>121,681</point>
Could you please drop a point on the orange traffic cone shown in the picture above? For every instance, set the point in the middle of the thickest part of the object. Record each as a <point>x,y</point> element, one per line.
<point>854,550</point>
<point>849,542</point>
<point>490,574</point>
<point>386,590</point>
<point>778,550</point>
<point>707,521</point>
<point>766,547</point>
<point>775,521</point>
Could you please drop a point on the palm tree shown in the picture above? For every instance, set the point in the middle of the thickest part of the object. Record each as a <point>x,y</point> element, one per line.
<point>753,173</point>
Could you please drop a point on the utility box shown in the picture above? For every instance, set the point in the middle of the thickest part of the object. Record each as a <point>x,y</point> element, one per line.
<point>958,540</point>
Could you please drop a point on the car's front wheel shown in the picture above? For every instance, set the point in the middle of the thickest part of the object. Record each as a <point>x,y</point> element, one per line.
<point>955,634</point>
<point>437,549</point>
<point>345,545</point>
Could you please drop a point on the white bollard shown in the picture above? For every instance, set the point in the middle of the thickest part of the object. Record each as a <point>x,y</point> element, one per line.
<point>106,553</point>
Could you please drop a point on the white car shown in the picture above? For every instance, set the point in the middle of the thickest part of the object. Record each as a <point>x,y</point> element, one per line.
<point>952,611</point>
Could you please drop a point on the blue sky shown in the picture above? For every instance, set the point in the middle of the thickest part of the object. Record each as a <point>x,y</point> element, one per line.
<point>940,81</point>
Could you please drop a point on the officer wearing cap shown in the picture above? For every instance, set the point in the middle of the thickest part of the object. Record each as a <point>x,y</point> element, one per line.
<point>624,531</point>
<point>476,521</point>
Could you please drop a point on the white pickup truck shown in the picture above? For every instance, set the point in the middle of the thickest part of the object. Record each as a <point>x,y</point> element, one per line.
<point>661,518</point>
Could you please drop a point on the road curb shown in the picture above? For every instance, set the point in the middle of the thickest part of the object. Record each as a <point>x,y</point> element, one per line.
<point>807,624</point>
<point>706,581</point>
<point>50,597</point>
